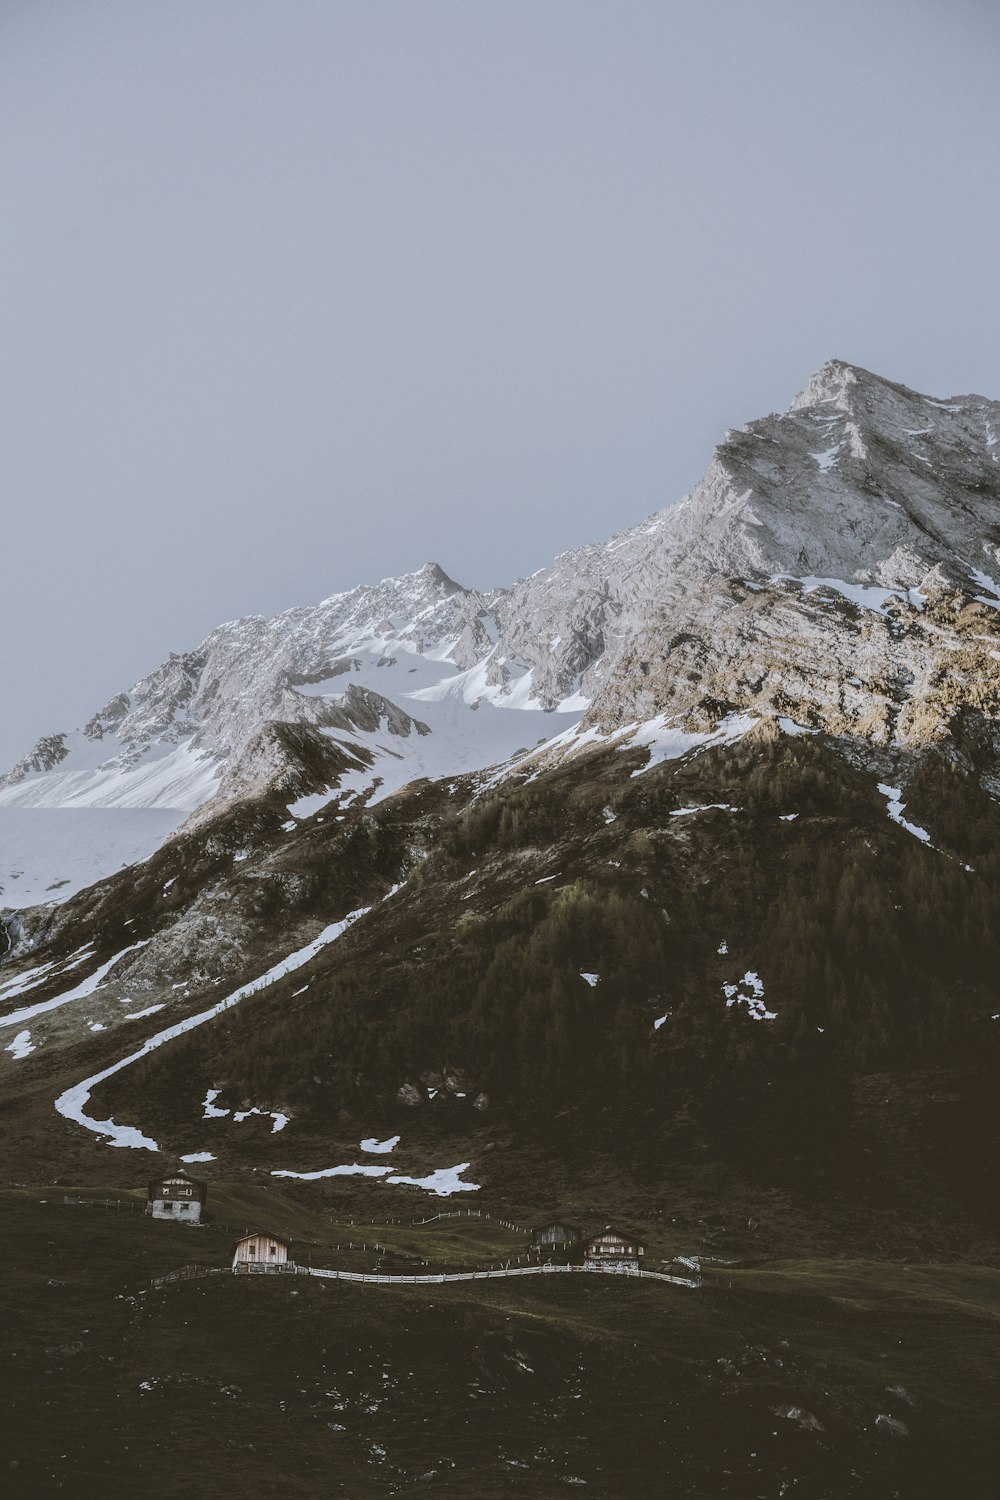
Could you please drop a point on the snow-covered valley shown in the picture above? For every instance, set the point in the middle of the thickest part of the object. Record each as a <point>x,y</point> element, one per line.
<point>50,853</point>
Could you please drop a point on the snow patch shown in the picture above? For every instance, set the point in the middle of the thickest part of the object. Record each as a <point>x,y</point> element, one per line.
<point>865,596</point>
<point>20,1046</point>
<point>85,987</point>
<point>32,978</point>
<point>893,795</point>
<point>280,1120</point>
<point>683,812</point>
<point>989,584</point>
<point>380,1148</point>
<point>304,807</point>
<point>443,1182</point>
<point>749,992</point>
<point>666,742</point>
<point>352,1171</point>
<point>827,460</point>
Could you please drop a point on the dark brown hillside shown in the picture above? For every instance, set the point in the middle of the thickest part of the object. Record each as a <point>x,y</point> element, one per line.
<point>455,1013</point>
<point>867,1378</point>
<point>824,1146</point>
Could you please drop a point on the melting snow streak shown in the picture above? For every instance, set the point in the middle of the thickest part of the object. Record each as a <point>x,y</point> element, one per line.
<point>85,987</point>
<point>893,795</point>
<point>443,1182</point>
<point>72,1104</point>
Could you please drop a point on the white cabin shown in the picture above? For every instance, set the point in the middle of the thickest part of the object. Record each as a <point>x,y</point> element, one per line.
<point>260,1250</point>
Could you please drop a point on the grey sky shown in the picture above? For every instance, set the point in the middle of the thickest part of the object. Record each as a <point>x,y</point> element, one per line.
<point>296,295</point>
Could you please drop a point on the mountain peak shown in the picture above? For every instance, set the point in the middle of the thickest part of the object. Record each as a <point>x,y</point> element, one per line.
<point>433,573</point>
<point>830,385</point>
<point>834,524</point>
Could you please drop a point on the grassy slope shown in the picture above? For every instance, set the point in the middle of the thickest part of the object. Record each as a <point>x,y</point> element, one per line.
<point>768,1375</point>
<point>622,1381</point>
<point>698,1136</point>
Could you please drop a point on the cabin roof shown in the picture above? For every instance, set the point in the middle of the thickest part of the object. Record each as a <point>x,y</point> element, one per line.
<point>268,1234</point>
<point>179,1175</point>
<point>625,1234</point>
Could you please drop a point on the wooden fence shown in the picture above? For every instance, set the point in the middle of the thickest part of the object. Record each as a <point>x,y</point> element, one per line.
<point>518,1268</point>
<point>188,1273</point>
<point>135,1206</point>
<point>548,1269</point>
<point>120,1205</point>
<point>456,1213</point>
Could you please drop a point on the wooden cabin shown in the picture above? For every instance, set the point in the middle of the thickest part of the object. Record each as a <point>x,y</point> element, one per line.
<point>614,1249</point>
<point>260,1250</point>
<point>555,1234</point>
<point>177,1196</point>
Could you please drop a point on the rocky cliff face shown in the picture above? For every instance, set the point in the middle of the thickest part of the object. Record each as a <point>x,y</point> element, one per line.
<point>835,568</point>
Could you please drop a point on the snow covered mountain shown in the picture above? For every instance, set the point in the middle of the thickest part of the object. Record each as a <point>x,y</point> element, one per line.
<point>716,960</point>
<point>838,566</point>
<point>385,684</point>
<point>835,569</point>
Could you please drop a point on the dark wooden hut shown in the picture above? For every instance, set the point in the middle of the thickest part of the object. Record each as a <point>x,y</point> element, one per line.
<point>177,1196</point>
<point>614,1249</point>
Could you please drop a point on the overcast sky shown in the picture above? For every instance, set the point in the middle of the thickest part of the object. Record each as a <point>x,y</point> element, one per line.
<point>297,295</point>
